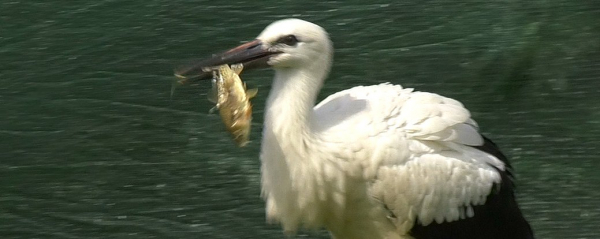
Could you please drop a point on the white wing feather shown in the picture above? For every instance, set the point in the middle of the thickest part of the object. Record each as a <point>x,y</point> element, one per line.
<point>421,164</point>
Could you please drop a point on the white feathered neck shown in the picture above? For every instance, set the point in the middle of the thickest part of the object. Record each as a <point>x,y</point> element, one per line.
<point>291,173</point>
<point>293,95</point>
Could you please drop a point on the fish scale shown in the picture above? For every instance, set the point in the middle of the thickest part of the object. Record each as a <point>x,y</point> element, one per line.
<point>232,99</point>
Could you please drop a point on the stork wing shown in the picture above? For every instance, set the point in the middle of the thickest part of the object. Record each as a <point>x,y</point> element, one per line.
<point>418,150</point>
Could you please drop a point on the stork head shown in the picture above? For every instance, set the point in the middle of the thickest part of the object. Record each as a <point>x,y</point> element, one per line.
<point>296,42</point>
<point>288,43</point>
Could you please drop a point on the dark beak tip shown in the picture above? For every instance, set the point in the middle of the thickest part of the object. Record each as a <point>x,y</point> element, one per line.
<point>251,54</point>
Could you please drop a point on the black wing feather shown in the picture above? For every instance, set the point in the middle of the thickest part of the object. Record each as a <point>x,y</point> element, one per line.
<point>499,218</point>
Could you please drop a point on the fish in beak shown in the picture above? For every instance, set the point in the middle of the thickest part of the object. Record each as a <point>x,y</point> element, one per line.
<point>251,55</point>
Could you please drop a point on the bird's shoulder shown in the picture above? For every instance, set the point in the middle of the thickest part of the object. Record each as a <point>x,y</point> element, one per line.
<point>391,125</point>
<point>360,107</point>
<point>377,109</point>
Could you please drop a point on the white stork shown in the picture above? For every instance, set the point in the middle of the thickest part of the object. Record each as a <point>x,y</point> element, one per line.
<point>370,162</point>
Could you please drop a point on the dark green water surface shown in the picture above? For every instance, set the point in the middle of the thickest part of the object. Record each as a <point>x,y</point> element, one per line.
<point>92,146</point>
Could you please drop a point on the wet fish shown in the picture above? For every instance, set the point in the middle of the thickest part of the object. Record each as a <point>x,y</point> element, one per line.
<point>232,99</point>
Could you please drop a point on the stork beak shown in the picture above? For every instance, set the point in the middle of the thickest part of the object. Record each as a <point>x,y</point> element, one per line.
<point>252,54</point>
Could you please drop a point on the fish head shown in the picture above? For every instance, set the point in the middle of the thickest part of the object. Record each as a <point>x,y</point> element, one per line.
<point>225,70</point>
<point>229,74</point>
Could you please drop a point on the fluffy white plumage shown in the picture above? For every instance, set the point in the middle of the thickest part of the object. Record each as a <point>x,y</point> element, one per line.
<point>368,161</point>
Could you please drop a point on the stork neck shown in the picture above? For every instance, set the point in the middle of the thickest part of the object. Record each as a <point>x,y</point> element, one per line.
<point>292,98</point>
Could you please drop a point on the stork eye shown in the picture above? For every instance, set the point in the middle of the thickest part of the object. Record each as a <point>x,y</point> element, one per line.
<point>289,40</point>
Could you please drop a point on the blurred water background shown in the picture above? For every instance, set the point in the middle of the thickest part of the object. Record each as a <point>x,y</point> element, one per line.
<point>92,145</point>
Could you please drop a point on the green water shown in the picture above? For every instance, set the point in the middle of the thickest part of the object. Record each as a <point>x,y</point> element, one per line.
<point>92,146</point>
